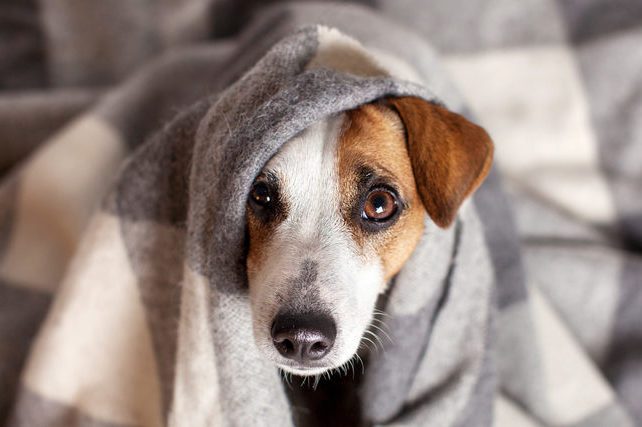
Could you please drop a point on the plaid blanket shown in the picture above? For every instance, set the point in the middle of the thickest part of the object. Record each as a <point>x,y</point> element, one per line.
<point>143,290</point>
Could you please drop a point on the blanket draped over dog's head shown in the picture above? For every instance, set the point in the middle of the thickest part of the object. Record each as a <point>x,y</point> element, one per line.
<point>151,324</point>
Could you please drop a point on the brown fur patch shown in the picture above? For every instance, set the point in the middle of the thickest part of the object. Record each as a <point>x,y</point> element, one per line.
<point>373,137</point>
<point>450,155</point>
<point>259,236</point>
<point>261,228</point>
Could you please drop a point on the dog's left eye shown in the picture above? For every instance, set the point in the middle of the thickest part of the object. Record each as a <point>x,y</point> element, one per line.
<point>381,205</point>
<point>260,194</point>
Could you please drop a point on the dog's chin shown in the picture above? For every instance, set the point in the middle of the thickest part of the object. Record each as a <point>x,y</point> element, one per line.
<point>304,371</point>
<point>316,368</point>
<point>292,367</point>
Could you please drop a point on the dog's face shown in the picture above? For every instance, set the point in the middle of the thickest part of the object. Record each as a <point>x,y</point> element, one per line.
<point>338,211</point>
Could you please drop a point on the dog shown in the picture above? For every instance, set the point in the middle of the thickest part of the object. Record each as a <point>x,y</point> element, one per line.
<point>336,213</point>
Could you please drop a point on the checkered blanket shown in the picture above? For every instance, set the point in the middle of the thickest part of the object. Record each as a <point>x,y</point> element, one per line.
<point>113,252</point>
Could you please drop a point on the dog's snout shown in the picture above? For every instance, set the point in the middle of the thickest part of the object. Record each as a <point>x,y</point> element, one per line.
<point>303,337</point>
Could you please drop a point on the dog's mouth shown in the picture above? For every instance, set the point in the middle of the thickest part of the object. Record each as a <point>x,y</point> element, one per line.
<point>335,362</point>
<point>304,370</point>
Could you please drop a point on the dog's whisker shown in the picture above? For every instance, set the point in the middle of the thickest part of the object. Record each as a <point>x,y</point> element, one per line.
<point>376,338</point>
<point>368,347</point>
<point>363,366</point>
<point>381,320</point>
<point>376,349</point>
<point>379,340</point>
<point>383,332</point>
<point>364,346</point>
<point>382,313</point>
<point>284,375</point>
<point>381,323</point>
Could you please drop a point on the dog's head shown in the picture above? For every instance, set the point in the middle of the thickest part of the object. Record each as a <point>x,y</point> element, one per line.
<point>338,211</point>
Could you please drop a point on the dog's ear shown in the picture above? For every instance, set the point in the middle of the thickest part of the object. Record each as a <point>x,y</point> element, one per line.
<point>450,156</point>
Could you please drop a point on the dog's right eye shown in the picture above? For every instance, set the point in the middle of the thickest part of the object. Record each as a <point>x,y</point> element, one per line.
<point>380,205</point>
<point>260,194</point>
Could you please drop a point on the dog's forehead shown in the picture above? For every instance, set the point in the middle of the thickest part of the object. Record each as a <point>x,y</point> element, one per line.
<point>306,165</point>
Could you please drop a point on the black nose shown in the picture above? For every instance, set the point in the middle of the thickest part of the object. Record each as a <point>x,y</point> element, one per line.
<point>303,337</point>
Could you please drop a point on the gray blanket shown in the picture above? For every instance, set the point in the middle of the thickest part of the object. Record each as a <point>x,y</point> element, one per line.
<point>526,312</point>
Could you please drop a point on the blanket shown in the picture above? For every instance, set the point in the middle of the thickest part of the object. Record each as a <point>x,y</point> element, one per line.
<point>122,233</point>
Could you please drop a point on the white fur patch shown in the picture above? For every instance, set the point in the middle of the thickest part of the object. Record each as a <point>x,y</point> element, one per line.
<point>341,52</point>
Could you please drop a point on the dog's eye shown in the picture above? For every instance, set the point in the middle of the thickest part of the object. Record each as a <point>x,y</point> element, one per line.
<point>260,194</point>
<point>381,205</point>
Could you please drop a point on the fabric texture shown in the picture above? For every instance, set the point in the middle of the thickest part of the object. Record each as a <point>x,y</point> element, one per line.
<point>123,295</point>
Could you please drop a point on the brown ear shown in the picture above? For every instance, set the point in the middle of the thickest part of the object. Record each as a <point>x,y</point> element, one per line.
<point>450,156</point>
